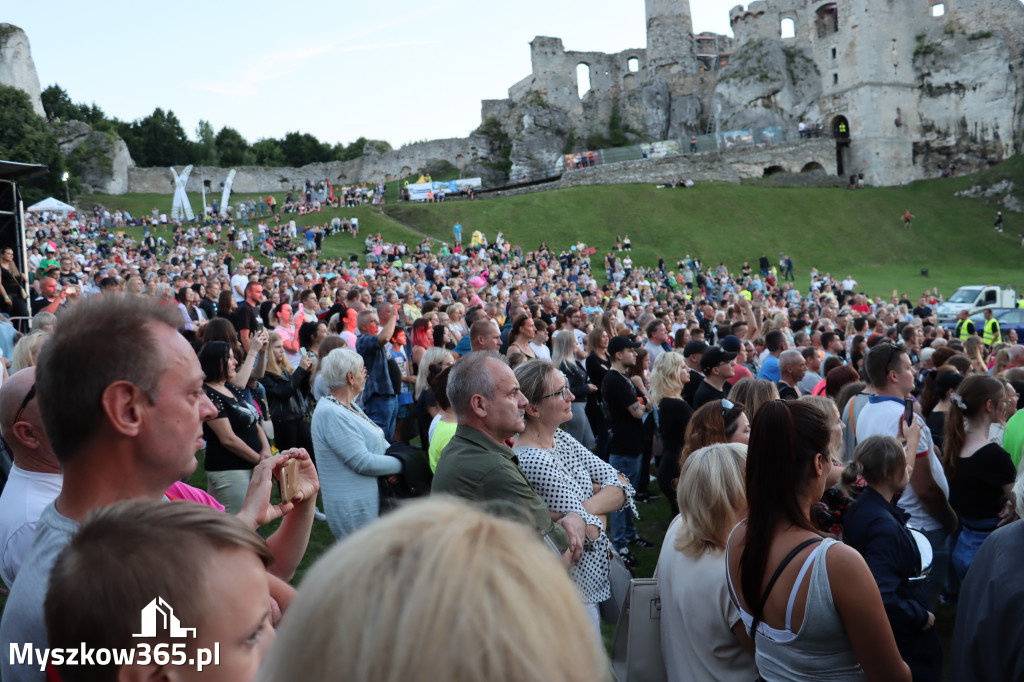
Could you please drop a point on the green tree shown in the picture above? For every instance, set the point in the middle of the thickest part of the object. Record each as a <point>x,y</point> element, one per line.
<point>233,149</point>
<point>157,140</point>
<point>206,145</point>
<point>268,152</point>
<point>26,137</point>
<point>57,102</point>
<point>302,148</point>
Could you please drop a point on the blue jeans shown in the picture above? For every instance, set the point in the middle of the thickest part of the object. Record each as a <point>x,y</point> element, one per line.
<point>383,411</point>
<point>623,528</point>
<point>968,542</point>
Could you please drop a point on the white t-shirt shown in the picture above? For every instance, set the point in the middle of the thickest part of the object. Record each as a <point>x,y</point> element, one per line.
<point>881,416</point>
<point>239,282</point>
<point>25,496</point>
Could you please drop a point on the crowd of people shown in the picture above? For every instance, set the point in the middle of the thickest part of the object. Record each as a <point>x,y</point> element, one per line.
<point>839,464</point>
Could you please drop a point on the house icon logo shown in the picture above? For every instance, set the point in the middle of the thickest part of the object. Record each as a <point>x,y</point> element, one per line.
<point>158,615</point>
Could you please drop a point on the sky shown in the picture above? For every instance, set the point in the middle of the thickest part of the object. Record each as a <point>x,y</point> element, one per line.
<point>338,70</point>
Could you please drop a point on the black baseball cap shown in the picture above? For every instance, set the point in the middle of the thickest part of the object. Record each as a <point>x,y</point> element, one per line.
<point>713,357</point>
<point>620,343</point>
<point>695,348</point>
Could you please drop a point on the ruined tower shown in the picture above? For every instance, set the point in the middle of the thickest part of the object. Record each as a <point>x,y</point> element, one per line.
<point>670,34</point>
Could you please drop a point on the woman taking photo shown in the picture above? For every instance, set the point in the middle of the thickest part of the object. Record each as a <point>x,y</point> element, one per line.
<point>673,414</point>
<point>350,447</point>
<point>563,356</point>
<point>980,473</point>
<point>877,528</point>
<point>568,477</point>
<point>810,604</point>
<point>702,635</point>
<point>288,397</point>
<point>522,332</point>
<point>235,443</point>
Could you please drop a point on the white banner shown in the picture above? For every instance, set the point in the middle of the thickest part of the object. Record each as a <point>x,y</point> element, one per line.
<point>419,191</point>
<point>227,193</point>
<point>181,209</point>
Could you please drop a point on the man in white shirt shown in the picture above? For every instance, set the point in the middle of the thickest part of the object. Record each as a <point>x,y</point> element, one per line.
<point>35,479</point>
<point>239,281</point>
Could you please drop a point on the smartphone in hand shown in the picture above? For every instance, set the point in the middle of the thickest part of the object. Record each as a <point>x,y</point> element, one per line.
<point>908,411</point>
<point>288,480</point>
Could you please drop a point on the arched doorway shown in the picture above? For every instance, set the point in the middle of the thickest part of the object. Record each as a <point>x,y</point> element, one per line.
<point>841,133</point>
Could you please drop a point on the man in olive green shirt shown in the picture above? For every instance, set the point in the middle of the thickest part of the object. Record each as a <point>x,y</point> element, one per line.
<point>477,465</point>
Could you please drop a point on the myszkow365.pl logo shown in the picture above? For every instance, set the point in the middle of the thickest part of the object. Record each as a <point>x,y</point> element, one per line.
<point>157,619</point>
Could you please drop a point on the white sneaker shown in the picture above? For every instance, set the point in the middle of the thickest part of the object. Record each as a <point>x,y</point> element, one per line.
<point>319,515</point>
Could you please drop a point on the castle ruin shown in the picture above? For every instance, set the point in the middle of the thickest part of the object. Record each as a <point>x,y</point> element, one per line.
<point>901,85</point>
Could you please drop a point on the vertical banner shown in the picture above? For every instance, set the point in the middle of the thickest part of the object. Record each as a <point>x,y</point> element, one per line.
<point>227,193</point>
<point>181,209</point>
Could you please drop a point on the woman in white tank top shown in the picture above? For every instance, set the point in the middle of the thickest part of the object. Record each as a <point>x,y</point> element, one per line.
<point>813,605</point>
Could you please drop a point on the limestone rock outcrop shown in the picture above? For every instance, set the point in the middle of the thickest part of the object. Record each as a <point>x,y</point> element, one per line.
<point>16,66</point>
<point>766,84</point>
<point>100,160</point>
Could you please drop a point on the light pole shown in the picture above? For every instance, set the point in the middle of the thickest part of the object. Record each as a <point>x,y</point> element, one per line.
<point>67,194</point>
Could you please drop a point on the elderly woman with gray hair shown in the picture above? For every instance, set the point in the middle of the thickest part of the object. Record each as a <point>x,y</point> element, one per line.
<point>350,448</point>
<point>568,476</point>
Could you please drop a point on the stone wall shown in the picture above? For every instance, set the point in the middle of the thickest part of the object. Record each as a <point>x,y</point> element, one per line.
<point>460,152</point>
<point>16,66</point>
<point>725,166</point>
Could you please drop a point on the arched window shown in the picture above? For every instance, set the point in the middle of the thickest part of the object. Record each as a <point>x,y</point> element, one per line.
<point>787,28</point>
<point>633,64</point>
<point>583,78</point>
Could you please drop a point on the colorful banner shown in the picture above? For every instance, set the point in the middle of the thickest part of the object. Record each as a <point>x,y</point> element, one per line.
<point>421,191</point>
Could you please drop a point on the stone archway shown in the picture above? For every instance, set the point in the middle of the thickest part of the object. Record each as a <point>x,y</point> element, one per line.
<point>841,134</point>
<point>812,167</point>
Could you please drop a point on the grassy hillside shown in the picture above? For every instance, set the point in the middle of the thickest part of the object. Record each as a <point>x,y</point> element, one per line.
<point>839,231</point>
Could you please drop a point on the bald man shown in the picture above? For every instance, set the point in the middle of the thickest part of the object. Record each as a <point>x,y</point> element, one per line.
<point>52,296</point>
<point>35,479</point>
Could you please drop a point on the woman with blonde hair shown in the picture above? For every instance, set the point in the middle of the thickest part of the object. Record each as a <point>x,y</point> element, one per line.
<point>702,635</point>
<point>752,394</point>
<point>431,364</point>
<point>974,349</point>
<point>672,413</point>
<point>563,356</point>
<point>288,396</point>
<point>389,603</point>
<point>26,351</point>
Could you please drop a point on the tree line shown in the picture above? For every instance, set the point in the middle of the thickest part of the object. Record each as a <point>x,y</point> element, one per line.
<point>160,140</point>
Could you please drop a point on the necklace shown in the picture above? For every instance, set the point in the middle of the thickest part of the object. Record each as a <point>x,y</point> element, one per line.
<point>332,399</point>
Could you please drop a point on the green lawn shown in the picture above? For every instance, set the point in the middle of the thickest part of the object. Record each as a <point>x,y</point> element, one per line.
<point>836,230</point>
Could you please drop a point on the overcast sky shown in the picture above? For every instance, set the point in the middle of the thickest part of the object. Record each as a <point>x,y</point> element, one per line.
<point>339,70</point>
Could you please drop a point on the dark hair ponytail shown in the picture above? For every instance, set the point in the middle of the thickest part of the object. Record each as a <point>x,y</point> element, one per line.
<point>784,441</point>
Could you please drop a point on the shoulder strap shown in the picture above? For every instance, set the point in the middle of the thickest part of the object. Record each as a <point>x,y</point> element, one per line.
<point>775,576</point>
